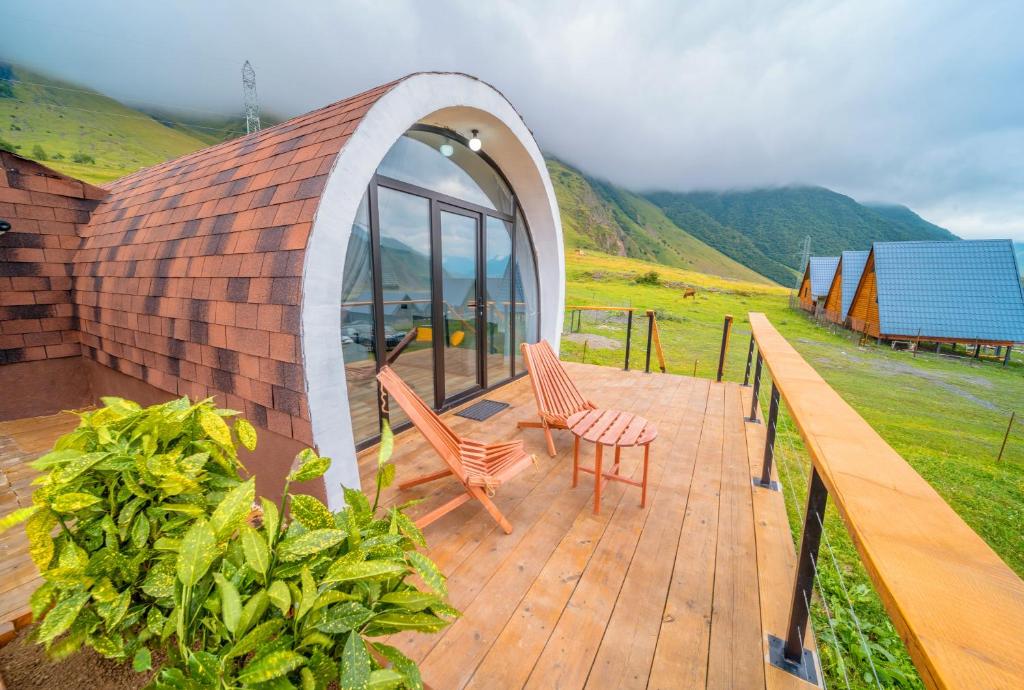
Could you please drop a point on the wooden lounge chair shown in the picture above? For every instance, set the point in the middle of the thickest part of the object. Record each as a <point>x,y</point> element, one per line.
<point>557,396</point>
<point>481,467</point>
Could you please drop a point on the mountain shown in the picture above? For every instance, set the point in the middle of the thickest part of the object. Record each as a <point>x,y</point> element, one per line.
<point>1019,248</point>
<point>598,216</point>
<point>80,132</point>
<point>765,228</point>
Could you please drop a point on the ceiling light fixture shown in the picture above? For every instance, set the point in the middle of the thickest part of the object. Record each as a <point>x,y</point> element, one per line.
<point>446,149</point>
<point>475,144</point>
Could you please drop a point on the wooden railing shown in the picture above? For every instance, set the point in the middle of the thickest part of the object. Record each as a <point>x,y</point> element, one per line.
<point>653,334</point>
<point>958,607</point>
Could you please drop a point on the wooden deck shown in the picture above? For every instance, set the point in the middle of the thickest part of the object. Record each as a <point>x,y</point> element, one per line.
<point>677,595</point>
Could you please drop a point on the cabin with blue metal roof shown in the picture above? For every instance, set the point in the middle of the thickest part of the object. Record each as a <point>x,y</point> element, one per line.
<point>816,281</point>
<point>844,285</point>
<point>966,291</point>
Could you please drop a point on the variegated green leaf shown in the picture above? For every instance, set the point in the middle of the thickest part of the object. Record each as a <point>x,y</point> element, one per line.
<point>70,502</point>
<point>385,679</point>
<point>273,665</point>
<point>309,592</point>
<point>311,513</point>
<point>257,557</point>
<point>61,616</point>
<point>204,668</point>
<point>411,600</point>
<point>308,465</point>
<point>246,433</point>
<point>214,426</point>
<point>140,531</point>
<point>387,443</point>
<point>402,664</point>
<point>197,553</point>
<point>113,611</point>
<point>56,458</point>
<point>407,527</point>
<point>271,520</point>
<point>355,664</point>
<point>257,637</point>
<point>428,571</point>
<point>13,518</point>
<point>294,548</point>
<point>386,474</point>
<point>348,571</point>
<point>233,509</point>
<point>73,468</point>
<point>230,603</point>
<point>40,543</point>
<point>159,582</point>
<point>344,617</point>
<point>324,669</point>
<point>357,502</point>
<point>142,661</point>
<point>409,621</point>
<point>41,599</point>
<point>280,596</point>
<point>253,610</point>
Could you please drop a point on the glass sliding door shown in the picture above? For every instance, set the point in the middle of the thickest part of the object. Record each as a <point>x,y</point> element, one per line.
<point>459,232</point>
<point>406,290</point>
<point>498,318</point>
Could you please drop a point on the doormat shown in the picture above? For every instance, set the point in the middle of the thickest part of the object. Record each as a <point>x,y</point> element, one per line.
<point>482,410</point>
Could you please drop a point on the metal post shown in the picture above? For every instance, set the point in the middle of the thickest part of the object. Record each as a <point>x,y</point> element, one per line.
<point>750,358</point>
<point>629,336</point>
<point>650,336</point>
<point>769,444</point>
<point>726,327</point>
<point>757,387</point>
<point>1006,359</point>
<point>790,654</point>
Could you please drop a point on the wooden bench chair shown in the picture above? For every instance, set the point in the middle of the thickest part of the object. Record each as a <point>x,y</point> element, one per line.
<point>481,467</point>
<point>556,395</point>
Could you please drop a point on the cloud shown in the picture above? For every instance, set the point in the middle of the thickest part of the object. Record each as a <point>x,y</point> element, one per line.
<point>915,103</point>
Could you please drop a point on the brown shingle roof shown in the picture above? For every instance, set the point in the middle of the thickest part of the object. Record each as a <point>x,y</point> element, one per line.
<point>189,272</point>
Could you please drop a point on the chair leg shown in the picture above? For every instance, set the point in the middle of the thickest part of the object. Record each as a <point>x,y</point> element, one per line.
<point>551,440</point>
<point>597,479</point>
<point>480,495</point>
<point>643,486</point>
<point>441,511</point>
<point>575,461</point>
<point>423,479</point>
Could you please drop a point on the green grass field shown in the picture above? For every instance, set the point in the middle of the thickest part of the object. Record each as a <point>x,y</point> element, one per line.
<point>945,416</point>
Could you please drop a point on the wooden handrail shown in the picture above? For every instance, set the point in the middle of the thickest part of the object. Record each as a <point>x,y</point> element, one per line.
<point>956,604</point>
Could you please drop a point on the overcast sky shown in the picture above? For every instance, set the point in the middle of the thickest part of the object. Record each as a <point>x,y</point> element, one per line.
<point>920,103</point>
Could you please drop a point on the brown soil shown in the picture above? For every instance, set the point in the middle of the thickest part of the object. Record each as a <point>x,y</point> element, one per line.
<point>24,666</point>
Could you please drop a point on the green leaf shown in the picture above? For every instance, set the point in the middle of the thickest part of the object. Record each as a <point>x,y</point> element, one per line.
<point>355,664</point>
<point>142,661</point>
<point>323,668</point>
<point>40,543</point>
<point>411,600</point>
<point>232,511</point>
<point>159,582</point>
<point>344,617</point>
<point>309,466</point>
<point>402,664</point>
<point>140,531</point>
<point>386,474</point>
<point>385,679</point>
<point>113,612</point>
<point>257,556</point>
<point>311,513</point>
<point>204,667</point>
<point>70,502</point>
<point>271,520</point>
<point>387,443</point>
<point>41,599</point>
<point>253,610</point>
<point>61,616</point>
<point>55,458</point>
<point>357,502</point>
<point>294,548</point>
<point>72,469</point>
<point>198,551</point>
<point>246,433</point>
<point>409,621</point>
<point>273,665</point>
<point>257,637</point>
<point>309,592</point>
<point>348,571</point>
<point>230,603</point>
<point>280,596</point>
<point>409,528</point>
<point>215,427</point>
<point>308,679</point>
<point>19,515</point>
<point>428,571</point>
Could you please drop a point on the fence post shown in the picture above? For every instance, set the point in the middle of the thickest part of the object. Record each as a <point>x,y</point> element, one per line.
<point>726,328</point>
<point>765,480</point>
<point>1006,359</point>
<point>629,336</point>
<point>1013,415</point>
<point>650,336</point>
<point>750,358</point>
<point>753,394</point>
<point>790,654</point>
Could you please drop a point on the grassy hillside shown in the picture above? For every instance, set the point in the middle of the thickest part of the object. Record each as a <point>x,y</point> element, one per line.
<point>598,216</point>
<point>86,135</point>
<point>765,228</point>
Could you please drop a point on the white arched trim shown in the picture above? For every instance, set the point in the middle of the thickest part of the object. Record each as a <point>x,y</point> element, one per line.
<point>454,101</point>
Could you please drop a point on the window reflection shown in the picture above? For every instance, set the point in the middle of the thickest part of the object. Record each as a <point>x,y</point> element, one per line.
<point>416,158</point>
<point>499,303</point>
<point>526,309</point>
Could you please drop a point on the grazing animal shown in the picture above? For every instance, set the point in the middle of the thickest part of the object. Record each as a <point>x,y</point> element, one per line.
<point>690,292</point>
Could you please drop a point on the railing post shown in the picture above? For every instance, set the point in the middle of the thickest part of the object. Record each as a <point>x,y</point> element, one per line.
<point>769,444</point>
<point>650,336</point>
<point>1006,359</point>
<point>726,328</point>
<point>629,336</point>
<point>790,654</point>
<point>753,394</point>
<point>750,359</point>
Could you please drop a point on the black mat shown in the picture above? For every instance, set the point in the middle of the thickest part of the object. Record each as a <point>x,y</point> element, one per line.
<point>482,410</point>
